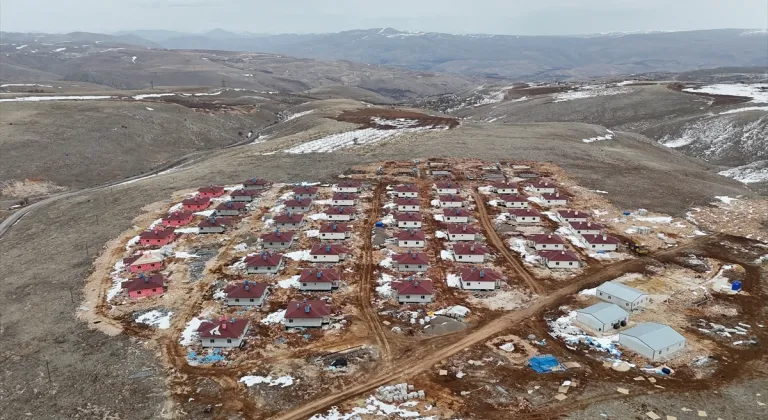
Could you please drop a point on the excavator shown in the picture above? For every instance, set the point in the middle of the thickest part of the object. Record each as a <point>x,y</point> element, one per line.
<point>638,248</point>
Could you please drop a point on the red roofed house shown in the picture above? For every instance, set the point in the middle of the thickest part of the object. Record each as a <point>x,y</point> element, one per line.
<point>458,232</point>
<point>335,232</point>
<point>546,242</point>
<point>526,215</point>
<point>324,279</point>
<point>349,186</point>
<point>330,253</point>
<point>572,215</point>
<point>406,191</point>
<point>447,187</point>
<point>277,240</point>
<point>147,262</point>
<point>601,242</point>
<point>482,279</point>
<point>309,313</point>
<point>559,259</point>
<point>267,262</point>
<point>177,218</point>
<point>514,201</point>
<point>544,187</point>
<point>143,286</point>
<point>212,191</point>
<point>505,187</point>
<point>413,291</point>
<point>469,253</point>
<point>214,224</point>
<point>408,220</point>
<point>256,184</point>
<point>410,261</point>
<point>300,206</point>
<point>246,293</point>
<point>223,333</point>
<point>411,238</point>
<point>244,196</point>
<point>555,199</point>
<point>340,214</point>
<point>408,204</point>
<point>451,201</point>
<point>289,221</point>
<point>343,199</point>
<point>456,216</point>
<point>230,209</point>
<point>196,203</point>
<point>305,191</point>
<point>157,237</point>
<point>587,228</point>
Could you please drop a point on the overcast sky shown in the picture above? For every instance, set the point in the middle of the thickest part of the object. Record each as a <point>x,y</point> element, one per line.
<point>518,17</point>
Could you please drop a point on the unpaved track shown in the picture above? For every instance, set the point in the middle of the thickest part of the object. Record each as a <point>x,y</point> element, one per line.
<point>499,245</point>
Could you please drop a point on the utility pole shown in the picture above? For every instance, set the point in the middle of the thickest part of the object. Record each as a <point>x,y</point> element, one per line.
<point>223,83</point>
<point>152,83</point>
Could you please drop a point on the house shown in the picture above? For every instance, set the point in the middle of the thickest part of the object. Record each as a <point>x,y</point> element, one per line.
<point>307,313</point>
<point>212,191</point>
<point>546,242</point>
<point>601,242</point>
<point>343,199</point>
<point>586,228</point>
<point>214,224</point>
<point>572,216</point>
<point>469,253</point>
<point>505,188</point>
<point>627,297</point>
<point>408,204</point>
<point>289,221</point>
<point>298,205</point>
<point>457,232</point>
<point>157,237</point>
<point>305,191</point>
<point>335,231</point>
<point>330,253</point>
<point>144,286</point>
<point>411,238</point>
<point>277,240</point>
<point>451,201</point>
<point>514,201</point>
<point>410,261</point>
<point>406,191</point>
<point>447,187</point>
<point>544,187</point>
<point>177,218</point>
<point>324,279</point>
<point>602,317</point>
<point>554,199</point>
<point>340,214</point>
<point>456,216</point>
<point>223,333</point>
<point>256,184</point>
<point>147,262</point>
<point>349,186</point>
<point>196,203</point>
<point>267,262</point>
<point>652,340</point>
<point>479,279</point>
<point>244,196</point>
<point>526,215</point>
<point>230,209</point>
<point>559,259</point>
<point>413,291</point>
<point>408,220</point>
<point>246,293</point>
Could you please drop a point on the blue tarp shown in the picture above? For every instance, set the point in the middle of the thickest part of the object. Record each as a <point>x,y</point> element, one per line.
<point>544,363</point>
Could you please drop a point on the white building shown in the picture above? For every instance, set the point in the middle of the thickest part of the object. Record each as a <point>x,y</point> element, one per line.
<point>458,233</point>
<point>447,187</point>
<point>627,297</point>
<point>322,280</point>
<point>602,317</point>
<point>479,279</point>
<point>343,199</point>
<point>223,333</point>
<point>335,232</point>
<point>451,201</point>
<point>246,293</point>
<point>307,314</point>
<point>413,291</point>
<point>653,341</point>
<point>514,201</point>
<point>469,253</point>
<point>330,253</point>
<point>408,204</point>
<point>411,239</point>
<point>456,216</point>
<point>601,242</point>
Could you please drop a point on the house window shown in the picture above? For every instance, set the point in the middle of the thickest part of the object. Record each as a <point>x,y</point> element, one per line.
<point>290,321</point>
<point>212,340</point>
<point>557,263</point>
<point>251,300</point>
<point>422,297</point>
<point>314,256</point>
<point>138,292</point>
<point>461,256</point>
<point>419,266</point>
<point>229,340</point>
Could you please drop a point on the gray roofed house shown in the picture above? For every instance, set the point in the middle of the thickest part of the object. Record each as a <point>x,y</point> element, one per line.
<point>627,297</point>
<point>652,340</point>
<point>602,317</point>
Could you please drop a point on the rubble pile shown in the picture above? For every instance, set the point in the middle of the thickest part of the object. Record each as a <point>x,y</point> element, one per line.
<point>740,331</point>
<point>398,393</point>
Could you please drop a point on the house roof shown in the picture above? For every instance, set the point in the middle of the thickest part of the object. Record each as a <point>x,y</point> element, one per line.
<point>605,312</point>
<point>407,188</point>
<point>561,256</point>
<point>215,222</point>
<point>289,218</point>
<point>143,282</point>
<point>411,258</point>
<point>277,236</point>
<point>307,309</point>
<point>601,239</point>
<point>216,189</point>
<point>179,215</point>
<point>525,212</point>
<point>407,201</point>
<point>456,229</point>
<point>621,291</point>
<point>410,235</point>
<point>265,259</point>
<point>233,328</point>
<point>148,258</point>
<point>230,205</point>
<point>456,212</point>
<point>451,198</point>
<point>474,274</point>
<point>245,289</point>
<point>335,227</point>
<point>513,198</point>
<point>469,249</point>
<point>572,214</point>
<point>554,196</point>
<point>196,200</point>
<point>156,234</point>
<point>586,226</point>
<point>328,249</point>
<point>408,217</point>
<point>656,336</point>
<point>344,196</point>
<point>413,287</point>
<point>547,239</point>
<point>325,275</point>
<point>340,210</point>
<point>306,202</point>
<point>348,183</point>
<point>446,184</point>
<point>543,184</point>
<point>255,181</point>
<point>130,260</point>
<point>305,189</point>
<point>244,192</point>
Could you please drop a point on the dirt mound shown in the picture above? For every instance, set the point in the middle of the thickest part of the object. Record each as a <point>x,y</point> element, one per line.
<point>384,119</point>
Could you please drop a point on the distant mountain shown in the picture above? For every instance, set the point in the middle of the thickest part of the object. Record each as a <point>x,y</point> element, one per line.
<point>504,56</point>
<point>127,38</point>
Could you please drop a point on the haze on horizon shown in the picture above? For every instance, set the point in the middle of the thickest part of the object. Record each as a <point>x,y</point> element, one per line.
<point>512,17</point>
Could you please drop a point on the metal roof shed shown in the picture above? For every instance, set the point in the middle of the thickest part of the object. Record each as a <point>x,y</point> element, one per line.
<point>652,340</point>
<point>602,317</point>
<point>627,297</point>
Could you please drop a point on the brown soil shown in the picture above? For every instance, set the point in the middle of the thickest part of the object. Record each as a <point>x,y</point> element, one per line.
<point>516,92</point>
<point>365,116</point>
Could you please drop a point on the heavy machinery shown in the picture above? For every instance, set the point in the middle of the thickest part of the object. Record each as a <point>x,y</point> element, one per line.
<point>638,248</point>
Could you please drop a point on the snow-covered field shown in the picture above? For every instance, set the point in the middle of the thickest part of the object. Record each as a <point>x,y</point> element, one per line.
<point>748,174</point>
<point>608,136</point>
<point>564,329</point>
<point>55,98</point>
<point>156,318</point>
<point>589,92</point>
<point>297,115</point>
<point>252,380</point>
<point>757,91</point>
<point>518,245</point>
<point>274,317</point>
<point>376,408</point>
<point>190,335</point>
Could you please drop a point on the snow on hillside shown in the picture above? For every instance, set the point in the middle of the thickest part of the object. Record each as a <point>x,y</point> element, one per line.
<point>721,137</point>
<point>757,91</point>
<point>54,98</point>
<point>589,92</point>
<point>296,115</point>
<point>748,174</point>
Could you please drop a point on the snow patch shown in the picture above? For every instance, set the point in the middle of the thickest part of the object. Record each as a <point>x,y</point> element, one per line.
<point>607,136</point>
<point>454,280</point>
<point>290,283</point>
<point>274,318</point>
<point>283,381</point>
<point>757,91</point>
<point>589,92</point>
<point>189,336</point>
<point>55,98</point>
<point>156,318</point>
